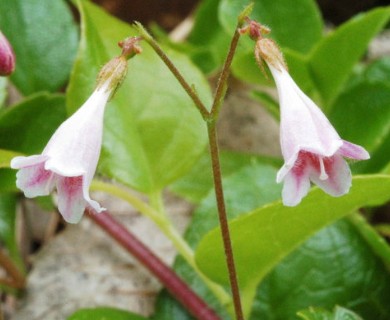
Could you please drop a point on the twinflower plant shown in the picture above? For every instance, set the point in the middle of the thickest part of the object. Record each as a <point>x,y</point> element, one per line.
<point>259,242</point>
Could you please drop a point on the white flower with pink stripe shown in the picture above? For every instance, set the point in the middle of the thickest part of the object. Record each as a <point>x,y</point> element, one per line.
<point>68,162</point>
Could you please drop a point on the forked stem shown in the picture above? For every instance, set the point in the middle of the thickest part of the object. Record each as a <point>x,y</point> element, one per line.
<point>211,118</point>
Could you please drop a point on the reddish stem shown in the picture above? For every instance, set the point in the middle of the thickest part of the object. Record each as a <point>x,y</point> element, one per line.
<point>177,287</point>
<point>17,280</point>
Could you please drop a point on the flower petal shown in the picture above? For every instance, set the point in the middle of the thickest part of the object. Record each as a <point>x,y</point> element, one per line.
<point>353,151</point>
<point>303,125</point>
<point>296,185</point>
<point>339,176</point>
<point>74,148</point>
<point>21,162</point>
<point>71,202</point>
<point>35,180</point>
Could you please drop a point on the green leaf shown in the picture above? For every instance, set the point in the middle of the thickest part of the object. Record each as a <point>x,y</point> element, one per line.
<point>335,266</point>
<point>104,313</point>
<point>245,68</point>
<point>376,241</point>
<point>44,38</point>
<point>211,49</point>
<point>333,59</point>
<point>7,226</point>
<point>378,71</point>
<point>338,313</point>
<point>246,187</point>
<point>28,126</point>
<point>195,185</point>
<point>275,230</point>
<point>361,115</point>
<point>6,157</point>
<point>8,180</point>
<point>297,25</point>
<point>153,133</point>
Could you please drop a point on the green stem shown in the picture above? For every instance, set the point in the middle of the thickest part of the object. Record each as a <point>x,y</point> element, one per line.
<point>211,119</point>
<point>158,216</point>
<point>217,175</point>
<point>222,81</point>
<point>223,220</point>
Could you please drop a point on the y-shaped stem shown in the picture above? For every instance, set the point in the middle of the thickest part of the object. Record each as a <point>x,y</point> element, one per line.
<point>211,118</point>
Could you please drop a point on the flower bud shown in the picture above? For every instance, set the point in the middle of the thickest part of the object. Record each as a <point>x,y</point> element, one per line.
<point>269,51</point>
<point>113,71</point>
<point>7,57</point>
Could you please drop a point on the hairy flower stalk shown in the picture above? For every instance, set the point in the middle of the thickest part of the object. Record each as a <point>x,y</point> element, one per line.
<point>69,160</point>
<point>7,57</point>
<point>312,149</point>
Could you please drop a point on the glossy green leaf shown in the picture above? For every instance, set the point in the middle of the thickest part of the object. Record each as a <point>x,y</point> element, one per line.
<point>334,267</point>
<point>386,170</point>
<point>338,313</point>
<point>44,38</point>
<point>7,226</point>
<point>211,49</point>
<point>104,313</point>
<point>245,68</point>
<point>153,133</point>
<point>332,60</point>
<point>28,126</point>
<point>195,185</point>
<point>246,188</point>
<point>275,230</point>
<point>296,25</point>
<point>375,240</point>
<point>361,115</point>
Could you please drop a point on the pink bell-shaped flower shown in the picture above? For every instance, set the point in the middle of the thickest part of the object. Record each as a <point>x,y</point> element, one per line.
<point>69,160</point>
<point>311,147</point>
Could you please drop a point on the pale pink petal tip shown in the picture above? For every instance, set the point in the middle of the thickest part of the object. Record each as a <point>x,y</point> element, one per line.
<point>22,162</point>
<point>339,178</point>
<point>295,187</point>
<point>71,202</point>
<point>353,151</point>
<point>32,178</point>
